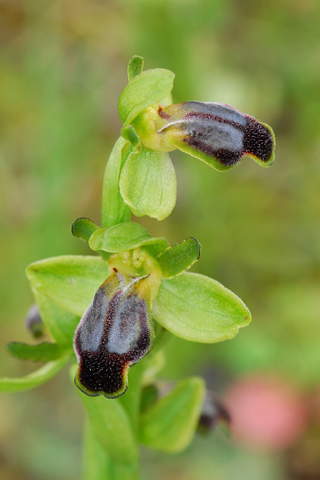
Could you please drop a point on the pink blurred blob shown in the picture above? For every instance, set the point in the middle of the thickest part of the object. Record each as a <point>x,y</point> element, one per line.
<point>266,413</point>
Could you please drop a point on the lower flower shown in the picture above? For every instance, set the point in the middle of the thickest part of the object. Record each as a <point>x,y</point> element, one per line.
<point>115,332</point>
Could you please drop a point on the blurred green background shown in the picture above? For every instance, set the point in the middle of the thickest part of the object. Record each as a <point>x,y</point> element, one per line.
<point>62,68</point>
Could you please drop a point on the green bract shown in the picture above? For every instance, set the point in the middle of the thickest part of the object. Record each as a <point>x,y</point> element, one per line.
<point>170,423</point>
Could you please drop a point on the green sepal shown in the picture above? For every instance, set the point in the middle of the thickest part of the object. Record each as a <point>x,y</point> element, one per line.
<point>113,209</point>
<point>170,423</point>
<point>199,309</point>
<point>111,426</point>
<point>126,236</point>
<point>148,183</point>
<point>43,352</point>
<point>83,228</point>
<point>178,258</point>
<point>142,91</point>
<point>19,384</point>
<point>135,66</point>
<point>69,281</point>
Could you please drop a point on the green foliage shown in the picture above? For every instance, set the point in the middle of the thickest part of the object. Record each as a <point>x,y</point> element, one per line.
<point>34,379</point>
<point>170,423</point>
<point>114,210</point>
<point>43,352</point>
<point>138,278</point>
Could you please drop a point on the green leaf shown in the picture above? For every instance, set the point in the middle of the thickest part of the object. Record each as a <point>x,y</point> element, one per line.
<point>148,183</point>
<point>83,228</point>
<point>43,352</point>
<point>70,281</point>
<point>135,66</point>
<point>125,236</point>
<point>18,384</point>
<point>199,309</point>
<point>142,91</point>
<point>110,424</point>
<point>180,257</point>
<point>113,209</point>
<point>170,423</point>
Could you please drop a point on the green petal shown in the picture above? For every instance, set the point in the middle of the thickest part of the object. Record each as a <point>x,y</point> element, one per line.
<point>142,91</point>
<point>199,309</point>
<point>43,352</point>
<point>180,257</point>
<point>83,228</point>
<point>148,184</point>
<point>70,281</point>
<point>36,378</point>
<point>170,423</point>
<point>125,236</point>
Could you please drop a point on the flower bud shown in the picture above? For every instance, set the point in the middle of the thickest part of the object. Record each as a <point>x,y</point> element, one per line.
<point>217,134</point>
<point>115,332</point>
<point>213,412</point>
<point>33,322</point>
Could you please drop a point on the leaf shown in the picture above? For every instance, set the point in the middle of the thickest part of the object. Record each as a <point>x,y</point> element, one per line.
<point>43,352</point>
<point>135,66</point>
<point>125,236</point>
<point>180,257</point>
<point>170,423</point>
<point>199,309</point>
<point>83,228</point>
<point>148,184</point>
<point>70,281</point>
<point>142,91</point>
<point>110,424</point>
<point>113,209</point>
<point>18,384</point>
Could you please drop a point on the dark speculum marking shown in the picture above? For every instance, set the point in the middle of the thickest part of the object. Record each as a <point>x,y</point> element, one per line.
<point>258,140</point>
<point>219,131</point>
<point>114,333</point>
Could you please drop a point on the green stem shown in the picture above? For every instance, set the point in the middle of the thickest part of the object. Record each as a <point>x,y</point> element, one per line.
<point>113,208</point>
<point>131,399</point>
<point>99,466</point>
<point>96,460</point>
